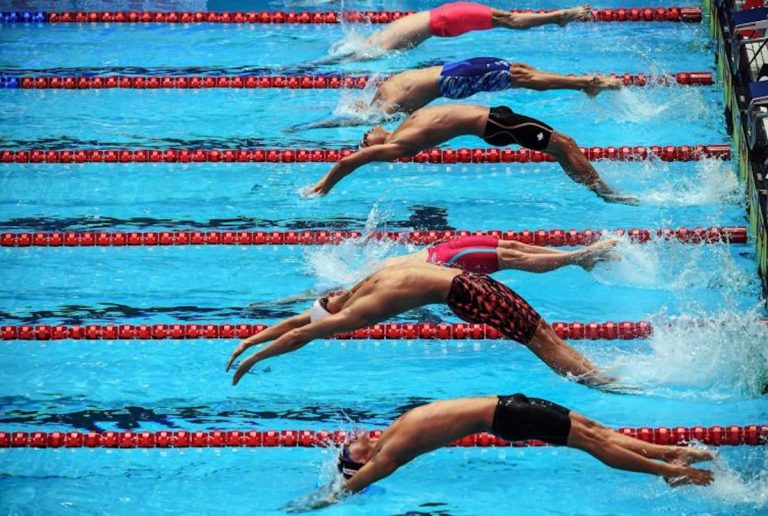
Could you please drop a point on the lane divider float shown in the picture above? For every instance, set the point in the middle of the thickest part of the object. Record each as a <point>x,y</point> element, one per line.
<point>540,237</point>
<point>283,155</point>
<point>730,435</point>
<point>687,14</point>
<point>624,330</point>
<point>146,82</point>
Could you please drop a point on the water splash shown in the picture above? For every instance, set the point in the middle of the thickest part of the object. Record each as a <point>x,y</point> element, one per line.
<point>735,488</point>
<point>675,266</point>
<point>354,108</point>
<point>653,181</point>
<point>715,182</point>
<point>353,46</point>
<point>716,356</point>
<point>351,260</point>
<point>642,105</point>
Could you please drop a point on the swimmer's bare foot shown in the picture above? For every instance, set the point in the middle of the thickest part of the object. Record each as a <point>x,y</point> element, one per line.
<point>573,14</point>
<point>598,252</point>
<point>687,476</point>
<point>601,82</point>
<point>685,456</point>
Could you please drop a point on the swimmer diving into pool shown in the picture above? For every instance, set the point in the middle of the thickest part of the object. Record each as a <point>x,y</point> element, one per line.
<point>365,460</point>
<point>454,19</point>
<point>392,290</point>
<point>413,89</point>
<point>487,255</point>
<point>498,126</point>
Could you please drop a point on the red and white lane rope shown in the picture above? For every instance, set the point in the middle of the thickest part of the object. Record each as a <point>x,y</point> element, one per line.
<point>689,14</point>
<point>732,435</point>
<point>310,155</point>
<point>141,82</point>
<point>541,237</point>
<point>624,330</point>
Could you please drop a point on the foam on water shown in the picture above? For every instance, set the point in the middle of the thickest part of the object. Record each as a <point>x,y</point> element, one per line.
<point>354,108</point>
<point>715,182</point>
<point>352,47</point>
<point>715,356</point>
<point>350,261</point>
<point>653,181</point>
<point>641,105</point>
<point>736,488</point>
<point>673,265</point>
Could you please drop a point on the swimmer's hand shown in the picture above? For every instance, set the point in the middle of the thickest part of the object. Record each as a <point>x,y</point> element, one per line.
<point>319,499</point>
<point>245,344</point>
<point>243,368</point>
<point>317,190</point>
<point>688,476</point>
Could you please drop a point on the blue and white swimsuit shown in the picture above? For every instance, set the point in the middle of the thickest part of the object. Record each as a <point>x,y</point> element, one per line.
<point>463,79</point>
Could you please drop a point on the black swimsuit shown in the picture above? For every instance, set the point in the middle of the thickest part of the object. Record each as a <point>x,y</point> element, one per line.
<point>518,418</point>
<point>505,127</point>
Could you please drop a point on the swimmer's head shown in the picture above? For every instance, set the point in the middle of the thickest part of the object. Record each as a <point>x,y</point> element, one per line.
<point>333,301</point>
<point>375,136</point>
<point>327,305</point>
<point>355,453</point>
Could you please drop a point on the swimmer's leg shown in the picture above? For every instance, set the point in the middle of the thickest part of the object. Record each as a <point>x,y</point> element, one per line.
<point>675,454</point>
<point>561,357</point>
<point>525,76</point>
<point>522,21</point>
<point>531,258</point>
<point>578,167</point>
<point>597,440</point>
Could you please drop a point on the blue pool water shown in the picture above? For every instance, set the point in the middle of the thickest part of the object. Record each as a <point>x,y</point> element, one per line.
<point>706,374</point>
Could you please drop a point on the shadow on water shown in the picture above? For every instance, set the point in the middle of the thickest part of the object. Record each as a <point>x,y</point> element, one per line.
<point>14,411</point>
<point>421,218</point>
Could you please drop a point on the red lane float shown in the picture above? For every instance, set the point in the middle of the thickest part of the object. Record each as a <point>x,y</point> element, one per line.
<point>730,435</point>
<point>542,237</point>
<point>141,82</point>
<point>633,14</point>
<point>283,155</point>
<point>620,330</point>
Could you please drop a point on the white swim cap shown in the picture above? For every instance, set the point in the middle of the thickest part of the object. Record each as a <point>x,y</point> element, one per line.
<point>317,312</point>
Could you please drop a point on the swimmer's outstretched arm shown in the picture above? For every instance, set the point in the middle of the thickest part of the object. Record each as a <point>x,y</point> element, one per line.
<point>347,165</point>
<point>375,469</point>
<point>348,319</point>
<point>271,333</point>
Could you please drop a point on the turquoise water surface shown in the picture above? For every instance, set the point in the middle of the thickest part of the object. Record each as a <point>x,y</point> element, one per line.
<point>708,373</point>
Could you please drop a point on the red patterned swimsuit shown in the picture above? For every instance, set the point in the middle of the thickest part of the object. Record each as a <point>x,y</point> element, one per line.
<point>477,298</point>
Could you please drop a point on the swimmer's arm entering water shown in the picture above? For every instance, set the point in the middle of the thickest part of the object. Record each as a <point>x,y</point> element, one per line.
<point>375,469</point>
<point>347,165</point>
<point>380,465</point>
<point>268,334</point>
<point>347,320</point>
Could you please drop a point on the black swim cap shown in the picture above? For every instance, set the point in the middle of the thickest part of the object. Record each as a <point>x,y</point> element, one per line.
<point>346,465</point>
